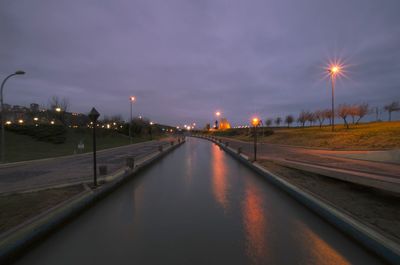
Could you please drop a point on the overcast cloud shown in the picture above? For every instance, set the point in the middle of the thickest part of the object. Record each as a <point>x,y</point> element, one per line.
<point>185,59</point>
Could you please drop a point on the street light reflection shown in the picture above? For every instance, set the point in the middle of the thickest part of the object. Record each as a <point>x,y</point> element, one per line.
<point>219,178</point>
<point>255,225</point>
<point>321,251</point>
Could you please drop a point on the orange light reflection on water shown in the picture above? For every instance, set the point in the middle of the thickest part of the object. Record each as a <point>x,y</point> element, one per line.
<point>320,251</point>
<point>255,226</point>
<point>219,178</point>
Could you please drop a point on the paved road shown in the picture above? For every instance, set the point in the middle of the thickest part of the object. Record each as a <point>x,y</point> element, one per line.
<point>334,159</point>
<point>198,206</point>
<point>71,169</point>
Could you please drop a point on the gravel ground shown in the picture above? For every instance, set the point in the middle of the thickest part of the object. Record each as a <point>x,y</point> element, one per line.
<point>378,209</point>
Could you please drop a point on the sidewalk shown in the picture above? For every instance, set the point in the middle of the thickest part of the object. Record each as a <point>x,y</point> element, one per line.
<point>380,161</point>
<point>69,170</point>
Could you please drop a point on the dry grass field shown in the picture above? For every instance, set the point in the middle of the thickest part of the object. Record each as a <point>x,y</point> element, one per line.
<point>367,136</point>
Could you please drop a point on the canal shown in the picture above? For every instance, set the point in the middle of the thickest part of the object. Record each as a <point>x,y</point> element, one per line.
<point>198,206</point>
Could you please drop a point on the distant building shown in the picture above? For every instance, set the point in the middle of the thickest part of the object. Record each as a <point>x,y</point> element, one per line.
<point>34,107</point>
<point>6,107</point>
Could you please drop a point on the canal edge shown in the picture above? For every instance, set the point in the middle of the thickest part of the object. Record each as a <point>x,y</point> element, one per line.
<point>367,237</point>
<point>13,245</point>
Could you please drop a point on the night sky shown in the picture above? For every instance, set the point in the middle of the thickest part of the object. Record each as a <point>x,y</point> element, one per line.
<point>184,60</point>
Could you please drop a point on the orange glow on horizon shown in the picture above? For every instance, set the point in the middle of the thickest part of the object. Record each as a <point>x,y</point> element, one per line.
<point>255,121</point>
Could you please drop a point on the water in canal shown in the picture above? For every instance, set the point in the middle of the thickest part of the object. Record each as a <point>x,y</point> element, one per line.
<point>198,206</point>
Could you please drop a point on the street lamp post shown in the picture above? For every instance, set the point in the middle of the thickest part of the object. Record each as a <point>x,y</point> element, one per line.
<point>3,138</point>
<point>93,116</point>
<point>132,99</point>
<point>255,122</point>
<point>151,130</point>
<point>333,71</point>
<point>218,113</point>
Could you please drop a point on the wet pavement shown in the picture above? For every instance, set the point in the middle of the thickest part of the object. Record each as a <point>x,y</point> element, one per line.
<point>198,206</point>
<point>46,173</point>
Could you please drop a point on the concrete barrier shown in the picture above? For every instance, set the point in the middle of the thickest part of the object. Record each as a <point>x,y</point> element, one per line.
<point>362,178</point>
<point>367,237</point>
<point>130,162</point>
<point>13,245</point>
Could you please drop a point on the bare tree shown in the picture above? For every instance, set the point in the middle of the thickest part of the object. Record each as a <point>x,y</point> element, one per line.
<point>311,118</point>
<point>378,113</point>
<point>320,116</point>
<point>268,122</point>
<point>116,117</point>
<point>343,112</point>
<point>278,121</point>
<point>353,112</point>
<point>56,102</point>
<point>302,118</point>
<point>394,106</point>
<point>58,108</point>
<point>289,120</point>
<point>328,115</point>
<point>361,111</point>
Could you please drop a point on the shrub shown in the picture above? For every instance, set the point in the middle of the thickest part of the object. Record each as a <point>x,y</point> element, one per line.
<point>45,133</point>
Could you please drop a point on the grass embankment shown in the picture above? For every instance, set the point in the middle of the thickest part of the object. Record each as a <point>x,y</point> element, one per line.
<point>367,136</point>
<point>23,147</point>
<point>18,208</point>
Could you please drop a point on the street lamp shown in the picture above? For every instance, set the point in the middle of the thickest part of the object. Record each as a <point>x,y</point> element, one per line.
<point>218,113</point>
<point>93,116</point>
<point>3,138</point>
<point>132,99</point>
<point>151,130</point>
<point>333,71</point>
<point>255,122</point>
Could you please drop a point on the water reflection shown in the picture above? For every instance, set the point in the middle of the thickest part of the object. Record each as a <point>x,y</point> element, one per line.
<point>219,178</point>
<point>129,210</point>
<point>255,225</point>
<point>319,251</point>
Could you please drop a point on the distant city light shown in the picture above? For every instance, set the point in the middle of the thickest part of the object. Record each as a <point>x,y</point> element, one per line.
<point>36,119</point>
<point>58,109</point>
<point>52,122</point>
<point>8,122</point>
<point>20,121</point>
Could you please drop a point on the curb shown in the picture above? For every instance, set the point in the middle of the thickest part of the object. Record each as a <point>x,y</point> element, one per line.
<point>370,239</point>
<point>13,245</point>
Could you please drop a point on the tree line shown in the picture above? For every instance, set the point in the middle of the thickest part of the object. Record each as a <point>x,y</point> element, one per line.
<point>349,113</point>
